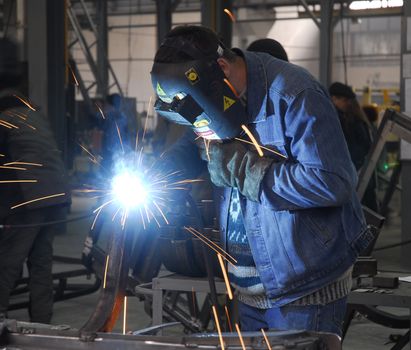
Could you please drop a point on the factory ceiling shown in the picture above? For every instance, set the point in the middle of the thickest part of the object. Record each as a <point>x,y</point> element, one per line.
<point>127,7</point>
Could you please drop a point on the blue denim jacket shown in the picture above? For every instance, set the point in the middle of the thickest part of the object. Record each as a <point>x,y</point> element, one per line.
<point>307,228</point>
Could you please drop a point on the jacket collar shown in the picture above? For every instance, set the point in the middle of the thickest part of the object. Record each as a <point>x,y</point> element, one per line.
<point>257,87</point>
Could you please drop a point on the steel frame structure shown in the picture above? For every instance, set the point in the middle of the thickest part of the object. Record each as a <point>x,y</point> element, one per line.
<point>392,122</point>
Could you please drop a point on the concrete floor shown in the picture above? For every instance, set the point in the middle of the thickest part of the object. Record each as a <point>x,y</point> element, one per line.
<point>362,334</point>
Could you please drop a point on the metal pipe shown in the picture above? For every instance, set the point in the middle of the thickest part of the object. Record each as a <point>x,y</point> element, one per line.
<point>350,14</point>
<point>326,41</point>
<point>111,296</point>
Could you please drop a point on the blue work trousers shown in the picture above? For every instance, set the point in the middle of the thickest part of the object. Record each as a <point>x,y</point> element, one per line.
<point>318,318</point>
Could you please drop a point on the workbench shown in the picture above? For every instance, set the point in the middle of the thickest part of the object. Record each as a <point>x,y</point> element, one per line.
<point>399,297</point>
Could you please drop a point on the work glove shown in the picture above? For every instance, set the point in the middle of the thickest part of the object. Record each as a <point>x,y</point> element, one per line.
<point>233,165</point>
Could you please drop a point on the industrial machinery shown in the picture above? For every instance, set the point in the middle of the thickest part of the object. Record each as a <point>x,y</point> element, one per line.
<point>116,283</point>
<point>170,245</point>
<point>399,124</point>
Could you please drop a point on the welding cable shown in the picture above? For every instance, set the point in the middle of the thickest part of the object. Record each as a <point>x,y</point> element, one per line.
<point>48,223</point>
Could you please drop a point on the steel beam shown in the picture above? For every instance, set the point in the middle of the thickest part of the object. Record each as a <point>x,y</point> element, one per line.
<point>47,63</point>
<point>102,48</point>
<point>405,160</point>
<point>124,8</point>
<point>164,10</point>
<point>310,13</point>
<point>9,19</point>
<point>301,15</point>
<point>100,79</point>
<point>326,41</point>
<point>214,17</point>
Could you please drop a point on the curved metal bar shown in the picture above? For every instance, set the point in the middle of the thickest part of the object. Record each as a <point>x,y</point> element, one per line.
<point>384,318</point>
<point>112,294</point>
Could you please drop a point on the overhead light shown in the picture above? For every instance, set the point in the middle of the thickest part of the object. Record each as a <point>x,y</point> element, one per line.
<point>375,4</point>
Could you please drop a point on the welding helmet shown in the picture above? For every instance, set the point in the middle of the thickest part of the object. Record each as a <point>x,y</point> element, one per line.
<point>196,93</point>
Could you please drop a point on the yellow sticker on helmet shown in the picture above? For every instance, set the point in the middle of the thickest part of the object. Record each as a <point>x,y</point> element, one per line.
<point>201,123</point>
<point>160,91</point>
<point>228,102</point>
<point>192,76</point>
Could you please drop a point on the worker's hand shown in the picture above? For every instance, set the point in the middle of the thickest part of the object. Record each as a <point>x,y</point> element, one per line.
<point>233,165</point>
<point>220,158</point>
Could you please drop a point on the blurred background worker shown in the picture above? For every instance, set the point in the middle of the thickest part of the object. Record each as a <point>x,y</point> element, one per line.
<point>371,112</point>
<point>357,131</point>
<point>115,140</point>
<point>270,46</point>
<point>31,169</point>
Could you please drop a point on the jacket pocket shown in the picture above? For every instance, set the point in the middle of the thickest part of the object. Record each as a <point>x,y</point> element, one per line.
<point>322,223</point>
<point>270,134</point>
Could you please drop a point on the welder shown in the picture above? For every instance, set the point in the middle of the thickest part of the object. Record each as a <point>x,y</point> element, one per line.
<point>31,169</point>
<point>270,46</point>
<point>293,222</point>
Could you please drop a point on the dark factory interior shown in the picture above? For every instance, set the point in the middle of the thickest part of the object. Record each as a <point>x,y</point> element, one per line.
<point>211,174</point>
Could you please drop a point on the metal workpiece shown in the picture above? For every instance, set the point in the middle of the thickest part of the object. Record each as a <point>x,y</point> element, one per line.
<point>114,287</point>
<point>31,336</point>
<point>158,298</point>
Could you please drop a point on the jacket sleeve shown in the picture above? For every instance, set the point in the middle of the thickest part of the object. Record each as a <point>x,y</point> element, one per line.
<point>319,172</point>
<point>183,158</point>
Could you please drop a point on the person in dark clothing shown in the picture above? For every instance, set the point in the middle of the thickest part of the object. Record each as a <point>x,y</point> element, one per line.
<point>270,46</point>
<point>115,131</point>
<point>31,169</point>
<point>371,112</point>
<point>357,132</point>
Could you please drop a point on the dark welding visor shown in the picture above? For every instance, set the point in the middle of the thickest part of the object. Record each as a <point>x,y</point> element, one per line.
<point>196,93</point>
<point>181,110</point>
